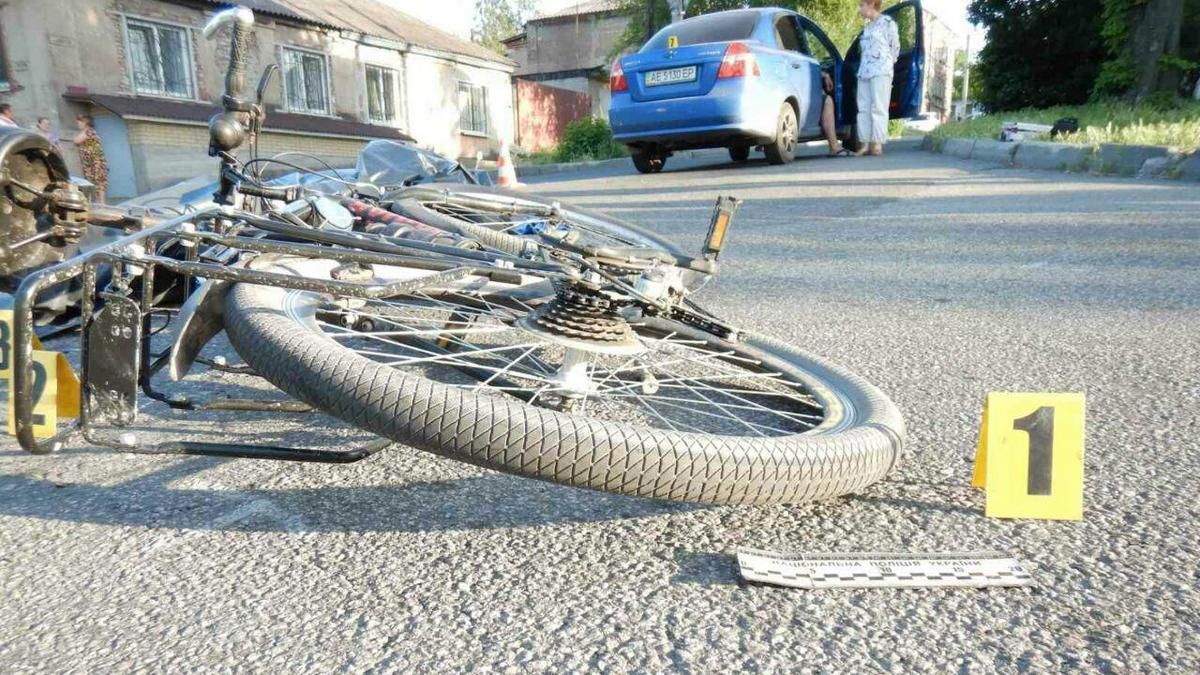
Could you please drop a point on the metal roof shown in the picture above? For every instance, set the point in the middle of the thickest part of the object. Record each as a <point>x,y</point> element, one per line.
<point>158,109</point>
<point>579,8</point>
<point>370,18</point>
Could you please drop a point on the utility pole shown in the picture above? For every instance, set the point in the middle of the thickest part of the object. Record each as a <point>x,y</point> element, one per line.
<point>678,9</point>
<point>966,92</point>
<point>649,19</point>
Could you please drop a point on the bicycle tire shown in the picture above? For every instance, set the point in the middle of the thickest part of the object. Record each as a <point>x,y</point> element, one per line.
<point>274,331</point>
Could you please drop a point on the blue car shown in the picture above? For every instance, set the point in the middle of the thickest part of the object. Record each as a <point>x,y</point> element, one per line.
<point>748,78</point>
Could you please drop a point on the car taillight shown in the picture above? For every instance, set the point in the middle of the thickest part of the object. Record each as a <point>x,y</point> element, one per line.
<point>738,62</point>
<point>616,80</point>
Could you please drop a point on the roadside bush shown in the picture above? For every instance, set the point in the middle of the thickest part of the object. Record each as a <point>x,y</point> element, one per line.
<point>588,139</point>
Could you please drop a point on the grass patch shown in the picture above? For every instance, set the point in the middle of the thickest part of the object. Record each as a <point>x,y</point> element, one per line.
<point>540,157</point>
<point>1176,127</point>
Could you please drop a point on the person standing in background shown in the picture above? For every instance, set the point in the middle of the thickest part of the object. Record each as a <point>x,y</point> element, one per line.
<point>6,116</point>
<point>880,49</point>
<point>91,154</point>
<point>43,128</point>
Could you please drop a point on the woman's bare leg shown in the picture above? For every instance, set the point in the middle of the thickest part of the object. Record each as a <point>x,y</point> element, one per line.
<point>829,126</point>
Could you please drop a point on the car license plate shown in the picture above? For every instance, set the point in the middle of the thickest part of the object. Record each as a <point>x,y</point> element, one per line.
<point>657,78</point>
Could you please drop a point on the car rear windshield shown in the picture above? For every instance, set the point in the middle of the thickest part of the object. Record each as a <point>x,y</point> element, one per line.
<point>722,27</point>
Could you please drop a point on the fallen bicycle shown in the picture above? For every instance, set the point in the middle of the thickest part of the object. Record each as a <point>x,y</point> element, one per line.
<point>494,327</point>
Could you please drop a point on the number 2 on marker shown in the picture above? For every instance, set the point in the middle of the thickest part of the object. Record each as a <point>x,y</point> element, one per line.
<point>45,396</point>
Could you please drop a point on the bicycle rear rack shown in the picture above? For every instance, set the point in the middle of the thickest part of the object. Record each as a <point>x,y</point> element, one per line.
<point>116,359</point>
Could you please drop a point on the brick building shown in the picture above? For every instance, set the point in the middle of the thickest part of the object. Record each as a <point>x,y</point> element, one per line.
<point>571,49</point>
<point>352,71</point>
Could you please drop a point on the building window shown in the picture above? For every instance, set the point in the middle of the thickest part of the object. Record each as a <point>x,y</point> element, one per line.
<point>382,85</point>
<point>5,84</point>
<point>160,59</point>
<point>305,81</point>
<point>472,106</point>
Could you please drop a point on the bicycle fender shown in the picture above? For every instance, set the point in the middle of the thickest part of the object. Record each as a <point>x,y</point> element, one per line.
<point>201,318</point>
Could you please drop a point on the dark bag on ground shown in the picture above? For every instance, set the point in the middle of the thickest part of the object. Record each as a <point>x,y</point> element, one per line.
<point>1066,125</point>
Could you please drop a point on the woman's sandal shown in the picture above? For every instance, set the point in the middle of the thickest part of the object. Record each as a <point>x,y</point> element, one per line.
<point>844,152</point>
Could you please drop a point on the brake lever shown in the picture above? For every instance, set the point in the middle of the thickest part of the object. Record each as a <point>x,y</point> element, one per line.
<point>260,95</point>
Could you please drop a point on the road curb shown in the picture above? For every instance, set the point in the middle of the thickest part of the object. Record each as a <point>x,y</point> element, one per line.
<point>959,147</point>
<point>1146,161</point>
<point>994,151</point>
<point>567,167</point>
<point>1052,156</point>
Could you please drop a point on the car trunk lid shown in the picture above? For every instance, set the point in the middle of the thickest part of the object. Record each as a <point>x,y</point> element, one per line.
<point>674,73</point>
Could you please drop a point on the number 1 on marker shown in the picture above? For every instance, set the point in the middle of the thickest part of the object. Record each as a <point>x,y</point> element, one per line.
<point>1031,456</point>
<point>1040,427</point>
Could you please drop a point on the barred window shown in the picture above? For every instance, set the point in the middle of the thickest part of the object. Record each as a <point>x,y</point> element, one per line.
<point>472,106</point>
<point>305,81</point>
<point>382,85</point>
<point>160,59</point>
<point>4,83</point>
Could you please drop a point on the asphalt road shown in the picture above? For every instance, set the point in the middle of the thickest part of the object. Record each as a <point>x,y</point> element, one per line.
<point>938,280</point>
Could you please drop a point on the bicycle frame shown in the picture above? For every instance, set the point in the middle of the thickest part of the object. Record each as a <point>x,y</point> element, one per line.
<point>205,229</point>
<point>221,242</point>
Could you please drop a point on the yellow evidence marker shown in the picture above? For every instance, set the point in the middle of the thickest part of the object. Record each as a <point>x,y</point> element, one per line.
<point>1030,456</point>
<point>45,396</point>
<point>672,42</point>
<point>55,384</point>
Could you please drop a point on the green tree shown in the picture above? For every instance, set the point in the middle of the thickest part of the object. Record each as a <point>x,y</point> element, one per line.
<point>496,20</point>
<point>1152,47</point>
<point>838,18</point>
<point>1039,53</point>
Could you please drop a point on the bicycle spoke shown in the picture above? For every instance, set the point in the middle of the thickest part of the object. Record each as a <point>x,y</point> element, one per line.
<point>676,382</point>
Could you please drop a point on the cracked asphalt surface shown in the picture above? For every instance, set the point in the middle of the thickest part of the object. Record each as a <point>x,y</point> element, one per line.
<point>937,279</point>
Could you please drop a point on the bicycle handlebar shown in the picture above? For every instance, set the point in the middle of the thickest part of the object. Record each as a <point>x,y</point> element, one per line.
<point>239,51</point>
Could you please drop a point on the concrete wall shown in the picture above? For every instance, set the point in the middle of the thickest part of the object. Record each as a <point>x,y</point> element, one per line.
<point>543,114</point>
<point>434,109</point>
<point>569,43</point>
<point>86,50</point>
<point>594,87</point>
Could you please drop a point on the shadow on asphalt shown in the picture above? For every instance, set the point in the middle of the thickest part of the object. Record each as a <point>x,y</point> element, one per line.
<point>864,184</point>
<point>492,501</point>
<point>705,568</point>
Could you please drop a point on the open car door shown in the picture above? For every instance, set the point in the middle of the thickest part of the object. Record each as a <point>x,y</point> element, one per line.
<point>818,44</point>
<point>909,78</point>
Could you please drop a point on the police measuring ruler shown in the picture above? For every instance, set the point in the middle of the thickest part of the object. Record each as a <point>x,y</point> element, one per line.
<point>881,570</point>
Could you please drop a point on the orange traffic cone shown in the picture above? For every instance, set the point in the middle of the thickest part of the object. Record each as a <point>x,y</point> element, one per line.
<point>506,173</point>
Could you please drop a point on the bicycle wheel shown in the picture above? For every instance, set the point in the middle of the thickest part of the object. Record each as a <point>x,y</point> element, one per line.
<point>496,377</point>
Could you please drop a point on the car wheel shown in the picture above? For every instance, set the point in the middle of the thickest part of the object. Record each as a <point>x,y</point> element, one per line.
<point>739,153</point>
<point>783,150</point>
<point>649,162</point>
